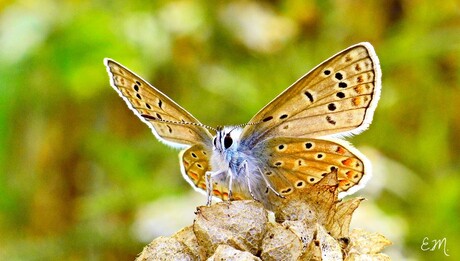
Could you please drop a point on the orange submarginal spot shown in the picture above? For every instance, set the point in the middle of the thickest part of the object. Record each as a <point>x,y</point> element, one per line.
<point>340,150</point>
<point>217,192</point>
<point>344,184</point>
<point>186,163</point>
<point>357,101</point>
<point>358,89</point>
<point>348,162</point>
<point>357,67</point>
<point>202,186</point>
<point>193,175</point>
<point>350,174</point>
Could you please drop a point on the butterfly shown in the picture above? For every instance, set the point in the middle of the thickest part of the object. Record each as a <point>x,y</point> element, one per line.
<point>289,145</point>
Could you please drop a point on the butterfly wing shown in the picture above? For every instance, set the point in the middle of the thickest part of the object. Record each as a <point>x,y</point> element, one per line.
<point>292,164</point>
<point>338,97</point>
<point>169,122</point>
<point>194,163</point>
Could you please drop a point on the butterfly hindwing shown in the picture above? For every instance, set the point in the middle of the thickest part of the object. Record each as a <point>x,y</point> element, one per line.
<point>163,115</point>
<point>195,163</point>
<point>338,97</point>
<point>291,164</point>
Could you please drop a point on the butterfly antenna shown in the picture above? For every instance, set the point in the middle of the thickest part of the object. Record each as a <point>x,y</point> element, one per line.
<point>249,123</point>
<point>244,124</point>
<point>151,118</point>
<point>238,126</point>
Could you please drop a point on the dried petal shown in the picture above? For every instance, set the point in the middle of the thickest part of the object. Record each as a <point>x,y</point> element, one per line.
<point>330,248</point>
<point>280,243</point>
<point>240,224</point>
<point>225,252</point>
<point>166,248</point>
<point>339,224</point>
<point>363,242</point>
<point>188,238</point>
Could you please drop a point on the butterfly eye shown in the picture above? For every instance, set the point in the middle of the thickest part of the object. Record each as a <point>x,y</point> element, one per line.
<point>228,141</point>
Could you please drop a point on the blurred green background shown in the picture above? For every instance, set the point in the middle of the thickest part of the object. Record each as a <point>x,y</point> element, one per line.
<point>81,178</point>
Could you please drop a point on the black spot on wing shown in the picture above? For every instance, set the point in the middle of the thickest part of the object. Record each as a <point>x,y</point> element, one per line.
<point>148,117</point>
<point>267,118</point>
<point>331,107</point>
<point>330,120</point>
<point>338,76</point>
<point>309,96</point>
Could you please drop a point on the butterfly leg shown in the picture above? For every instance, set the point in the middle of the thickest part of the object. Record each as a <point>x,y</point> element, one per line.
<point>269,186</point>
<point>245,167</point>
<point>208,187</point>
<point>230,185</point>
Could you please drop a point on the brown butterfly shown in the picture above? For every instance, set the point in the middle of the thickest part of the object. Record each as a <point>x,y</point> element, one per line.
<point>291,143</point>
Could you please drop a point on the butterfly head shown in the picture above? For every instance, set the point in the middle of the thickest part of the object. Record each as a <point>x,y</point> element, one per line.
<point>227,138</point>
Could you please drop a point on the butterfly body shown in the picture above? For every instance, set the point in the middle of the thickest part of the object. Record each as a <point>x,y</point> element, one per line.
<point>290,144</point>
<point>233,166</point>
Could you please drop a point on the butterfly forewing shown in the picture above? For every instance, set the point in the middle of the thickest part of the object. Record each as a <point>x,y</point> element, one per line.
<point>165,117</point>
<point>295,163</point>
<point>337,97</point>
